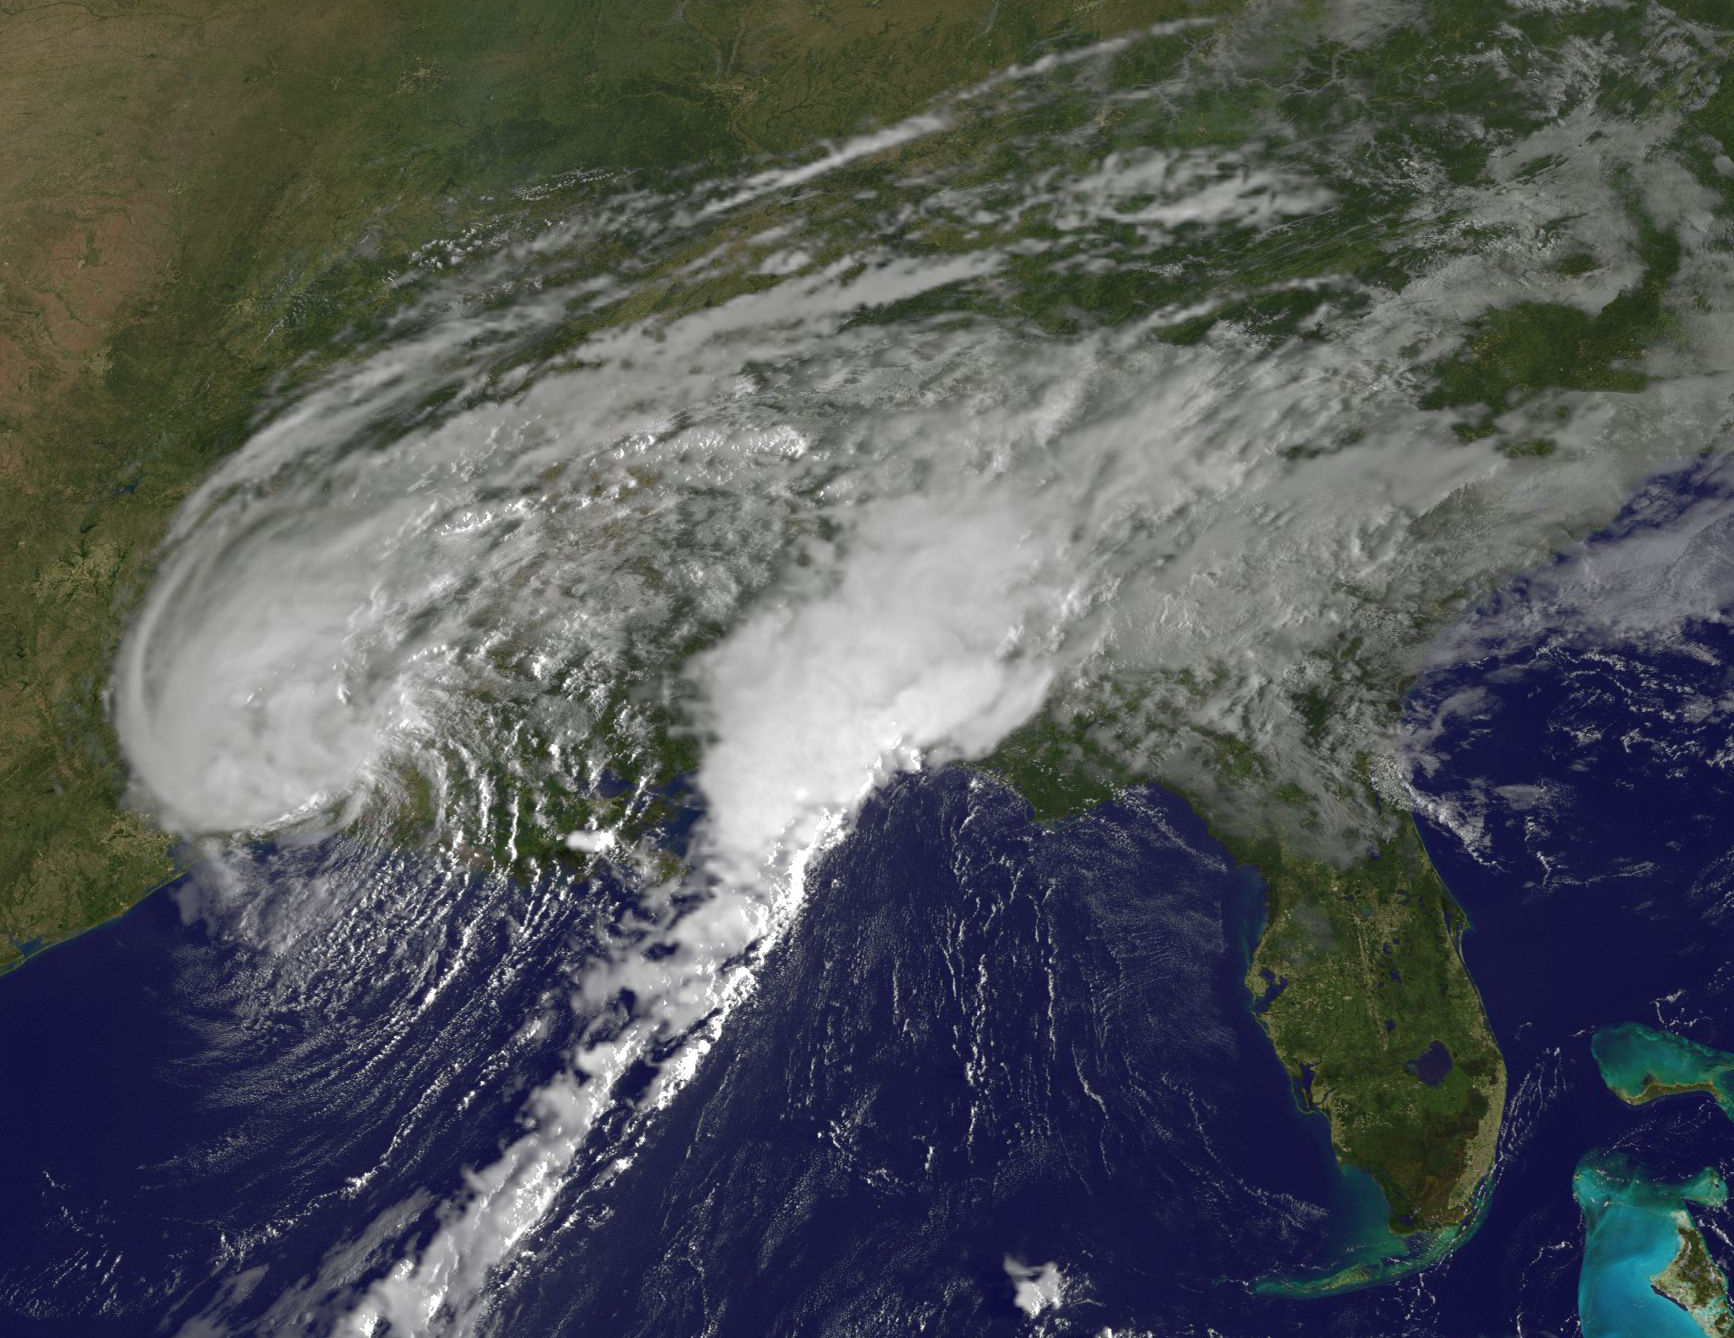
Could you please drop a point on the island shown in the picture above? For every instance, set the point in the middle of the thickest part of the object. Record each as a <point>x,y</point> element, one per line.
<point>1646,1270</point>
<point>1640,1064</point>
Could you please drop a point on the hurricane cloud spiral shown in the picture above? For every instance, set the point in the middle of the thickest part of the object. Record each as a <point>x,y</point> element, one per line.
<point>787,499</point>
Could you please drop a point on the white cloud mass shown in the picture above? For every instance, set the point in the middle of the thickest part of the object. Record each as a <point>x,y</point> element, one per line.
<point>830,544</point>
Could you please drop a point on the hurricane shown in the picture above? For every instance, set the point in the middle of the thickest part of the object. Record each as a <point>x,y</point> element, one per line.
<point>518,686</point>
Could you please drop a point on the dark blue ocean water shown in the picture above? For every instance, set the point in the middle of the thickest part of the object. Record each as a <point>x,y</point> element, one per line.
<point>1579,739</point>
<point>987,1039</point>
<point>238,1075</point>
<point>984,1039</point>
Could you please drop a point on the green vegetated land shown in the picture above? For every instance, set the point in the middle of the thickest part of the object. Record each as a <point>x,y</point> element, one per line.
<point>1359,978</point>
<point>1695,1283</point>
<point>195,201</point>
<point>1366,998</point>
<point>1359,981</point>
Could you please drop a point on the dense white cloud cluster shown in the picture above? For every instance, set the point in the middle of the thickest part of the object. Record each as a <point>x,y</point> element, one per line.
<point>891,542</point>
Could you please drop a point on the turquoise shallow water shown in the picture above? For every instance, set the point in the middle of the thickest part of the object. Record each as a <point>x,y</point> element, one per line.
<point>1364,1251</point>
<point>1632,1234</point>
<point>1631,1054</point>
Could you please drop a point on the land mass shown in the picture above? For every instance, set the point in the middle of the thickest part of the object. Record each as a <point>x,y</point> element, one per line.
<point>1645,1259</point>
<point>200,203</point>
<point>1641,1064</point>
<point>1694,1283</point>
<point>1358,979</point>
<point>1365,982</point>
